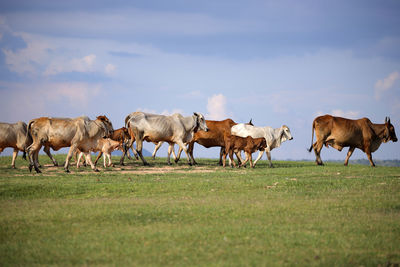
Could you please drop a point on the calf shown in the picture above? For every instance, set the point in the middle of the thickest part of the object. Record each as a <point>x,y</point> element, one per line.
<point>103,145</point>
<point>122,136</point>
<point>234,144</point>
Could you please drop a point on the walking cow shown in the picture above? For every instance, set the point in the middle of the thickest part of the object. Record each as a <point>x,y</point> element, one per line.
<point>174,129</point>
<point>78,133</point>
<point>273,137</point>
<point>340,132</point>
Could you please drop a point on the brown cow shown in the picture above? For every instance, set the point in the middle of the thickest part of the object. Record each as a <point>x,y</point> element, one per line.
<point>339,132</point>
<point>79,133</point>
<point>236,144</point>
<point>214,137</point>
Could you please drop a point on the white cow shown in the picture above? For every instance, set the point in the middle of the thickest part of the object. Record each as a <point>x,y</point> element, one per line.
<point>273,137</point>
<point>79,133</point>
<point>174,129</point>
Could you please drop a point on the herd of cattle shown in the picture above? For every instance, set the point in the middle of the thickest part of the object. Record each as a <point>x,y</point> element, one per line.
<point>84,136</point>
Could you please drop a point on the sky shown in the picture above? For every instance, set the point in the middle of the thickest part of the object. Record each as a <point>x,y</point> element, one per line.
<point>275,62</point>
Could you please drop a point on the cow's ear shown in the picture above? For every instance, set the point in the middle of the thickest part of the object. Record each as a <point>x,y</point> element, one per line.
<point>195,113</point>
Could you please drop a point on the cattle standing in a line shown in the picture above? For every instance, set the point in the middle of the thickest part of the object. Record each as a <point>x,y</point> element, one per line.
<point>79,133</point>
<point>174,129</point>
<point>235,144</point>
<point>273,137</point>
<point>339,132</point>
<point>104,146</point>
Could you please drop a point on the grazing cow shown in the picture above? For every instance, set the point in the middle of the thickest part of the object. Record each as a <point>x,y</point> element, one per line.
<point>174,129</point>
<point>14,136</point>
<point>236,144</point>
<point>339,132</point>
<point>106,146</point>
<point>79,133</point>
<point>273,137</point>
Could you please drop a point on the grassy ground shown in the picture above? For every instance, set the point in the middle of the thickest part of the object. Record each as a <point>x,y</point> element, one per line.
<point>294,214</point>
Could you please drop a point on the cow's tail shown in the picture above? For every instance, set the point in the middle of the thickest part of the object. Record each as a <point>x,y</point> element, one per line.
<point>312,137</point>
<point>28,138</point>
<point>127,120</point>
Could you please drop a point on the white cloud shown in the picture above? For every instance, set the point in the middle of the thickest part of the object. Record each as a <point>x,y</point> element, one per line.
<point>216,107</point>
<point>84,64</point>
<point>386,84</point>
<point>71,99</point>
<point>27,60</point>
<point>110,69</point>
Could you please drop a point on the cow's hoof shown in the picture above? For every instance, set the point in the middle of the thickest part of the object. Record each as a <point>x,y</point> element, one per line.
<point>96,170</point>
<point>30,168</point>
<point>67,171</point>
<point>13,167</point>
<point>122,164</point>
<point>56,164</point>
<point>37,170</point>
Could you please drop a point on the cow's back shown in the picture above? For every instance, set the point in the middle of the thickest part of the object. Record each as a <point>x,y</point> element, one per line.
<point>215,134</point>
<point>56,132</point>
<point>244,130</point>
<point>341,132</point>
<point>153,126</point>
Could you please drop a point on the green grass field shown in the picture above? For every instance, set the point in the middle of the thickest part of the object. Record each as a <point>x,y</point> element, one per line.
<point>294,214</point>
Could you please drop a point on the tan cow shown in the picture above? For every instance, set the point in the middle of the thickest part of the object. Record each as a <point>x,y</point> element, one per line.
<point>103,145</point>
<point>78,133</point>
<point>14,135</point>
<point>340,132</point>
<point>235,144</point>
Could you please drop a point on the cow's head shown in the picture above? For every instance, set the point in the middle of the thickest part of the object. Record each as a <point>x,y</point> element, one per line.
<point>286,134</point>
<point>390,134</point>
<point>200,122</point>
<point>106,125</point>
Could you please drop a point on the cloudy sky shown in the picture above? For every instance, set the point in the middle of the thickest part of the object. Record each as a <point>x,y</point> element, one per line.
<point>277,62</point>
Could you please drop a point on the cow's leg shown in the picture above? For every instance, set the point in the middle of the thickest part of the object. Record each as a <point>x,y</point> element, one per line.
<point>268,152</point>
<point>15,154</point>
<point>251,161</point>
<point>243,164</point>
<point>349,153</point>
<point>177,157</point>
<point>47,150</point>
<point>221,153</point>
<point>170,149</point>
<point>369,155</point>
<point>89,160</point>
<point>260,154</point>
<point>36,157</point>
<point>232,160</point>
<point>33,152</point>
<point>239,157</point>
<point>224,158</point>
<point>317,150</point>
<point>78,160</point>
<point>182,145</point>
<point>139,145</point>
<point>156,148</point>
<point>98,157</point>
<point>69,156</point>
<point>190,150</point>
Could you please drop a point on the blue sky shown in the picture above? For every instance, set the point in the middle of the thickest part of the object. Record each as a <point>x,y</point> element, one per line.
<point>277,62</point>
